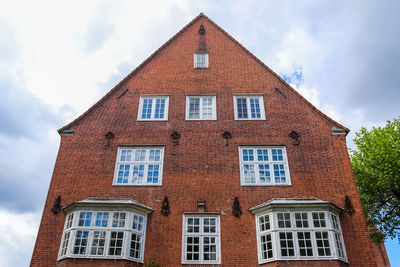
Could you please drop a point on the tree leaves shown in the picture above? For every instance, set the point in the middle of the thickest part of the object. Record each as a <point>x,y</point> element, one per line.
<point>376,165</point>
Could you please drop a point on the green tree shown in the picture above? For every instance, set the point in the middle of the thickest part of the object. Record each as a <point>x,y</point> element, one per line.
<point>376,165</point>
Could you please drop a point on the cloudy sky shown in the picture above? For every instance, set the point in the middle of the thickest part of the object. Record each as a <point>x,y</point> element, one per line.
<point>57,58</point>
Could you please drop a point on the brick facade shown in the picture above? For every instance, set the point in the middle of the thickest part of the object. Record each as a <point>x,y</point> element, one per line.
<point>201,166</point>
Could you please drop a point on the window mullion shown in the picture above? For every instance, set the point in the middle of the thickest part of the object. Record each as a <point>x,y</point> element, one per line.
<point>295,244</point>
<point>201,250</point>
<point>107,243</point>
<point>145,172</point>
<point>130,178</point>
<point>314,243</point>
<point>201,108</point>
<point>153,108</point>
<point>248,108</point>
<point>70,243</point>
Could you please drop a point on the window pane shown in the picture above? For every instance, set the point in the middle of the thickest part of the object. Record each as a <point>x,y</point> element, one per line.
<point>140,154</point>
<point>193,225</point>
<point>123,173</point>
<point>153,174</point>
<point>81,242</point>
<point>242,108</point>
<point>335,222</point>
<point>264,222</point>
<point>301,219</point>
<point>286,242</point>
<point>265,175</point>
<point>277,154</point>
<point>255,108</point>
<point>279,173</point>
<point>118,219</point>
<point>201,60</point>
<point>266,247</point>
<point>85,218</point>
<point>136,246</point>
<point>209,248</point>
<point>70,220</point>
<point>248,155</point>
<point>339,245</point>
<point>209,225</point>
<point>322,243</point>
<point>138,223</point>
<point>138,174</point>
<point>192,248</point>
<point>160,109</point>
<point>319,219</point>
<point>249,174</point>
<point>194,108</point>
<point>305,244</point>
<point>126,155</point>
<point>64,247</point>
<point>262,154</point>
<point>101,219</point>
<point>147,107</point>
<point>207,108</point>
<point>98,243</point>
<point>116,241</point>
<point>283,220</point>
<point>155,155</point>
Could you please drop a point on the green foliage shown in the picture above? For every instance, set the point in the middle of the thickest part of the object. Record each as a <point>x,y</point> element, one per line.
<point>376,165</point>
<point>151,263</point>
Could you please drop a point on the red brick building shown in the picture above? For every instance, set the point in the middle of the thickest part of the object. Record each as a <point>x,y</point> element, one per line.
<point>203,156</point>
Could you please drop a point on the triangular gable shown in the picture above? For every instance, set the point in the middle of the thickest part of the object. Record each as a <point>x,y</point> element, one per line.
<point>338,127</point>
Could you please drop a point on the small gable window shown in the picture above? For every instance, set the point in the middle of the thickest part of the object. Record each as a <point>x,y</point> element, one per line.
<point>249,107</point>
<point>201,108</point>
<point>201,60</point>
<point>153,108</point>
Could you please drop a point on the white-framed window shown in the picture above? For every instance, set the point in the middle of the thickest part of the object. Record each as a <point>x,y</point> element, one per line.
<point>139,166</point>
<point>154,108</point>
<point>201,239</point>
<point>201,107</point>
<point>299,234</point>
<point>263,165</point>
<point>249,107</point>
<point>200,60</point>
<point>109,234</point>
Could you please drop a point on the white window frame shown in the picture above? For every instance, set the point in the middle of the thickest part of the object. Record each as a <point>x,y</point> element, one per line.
<point>201,99</point>
<point>257,164</point>
<point>153,107</point>
<point>132,163</point>
<point>201,234</point>
<point>127,230</point>
<point>195,62</point>
<point>275,230</point>
<point>248,97</point>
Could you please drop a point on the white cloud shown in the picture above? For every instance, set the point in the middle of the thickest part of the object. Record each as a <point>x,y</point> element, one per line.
<point>17,237</point>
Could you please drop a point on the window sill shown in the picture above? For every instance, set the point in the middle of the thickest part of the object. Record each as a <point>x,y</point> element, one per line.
<point>152,119</point>
<point>267,185</point>
<point>98,258</point>
<point>200,119</point>
<point>304,259</point>
<point>252,119</point>
<point>144,185</point>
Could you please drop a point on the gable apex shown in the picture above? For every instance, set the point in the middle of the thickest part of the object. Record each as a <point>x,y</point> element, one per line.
<point>171,40</point>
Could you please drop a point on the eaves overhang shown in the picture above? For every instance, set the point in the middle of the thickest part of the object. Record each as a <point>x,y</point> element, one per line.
<point>295,203</point>
<point>111,203</point>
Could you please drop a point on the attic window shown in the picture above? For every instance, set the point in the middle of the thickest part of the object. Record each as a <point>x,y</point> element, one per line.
<point>200,60</point>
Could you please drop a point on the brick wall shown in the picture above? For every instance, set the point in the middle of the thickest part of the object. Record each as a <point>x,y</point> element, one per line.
<point>201,167</point>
